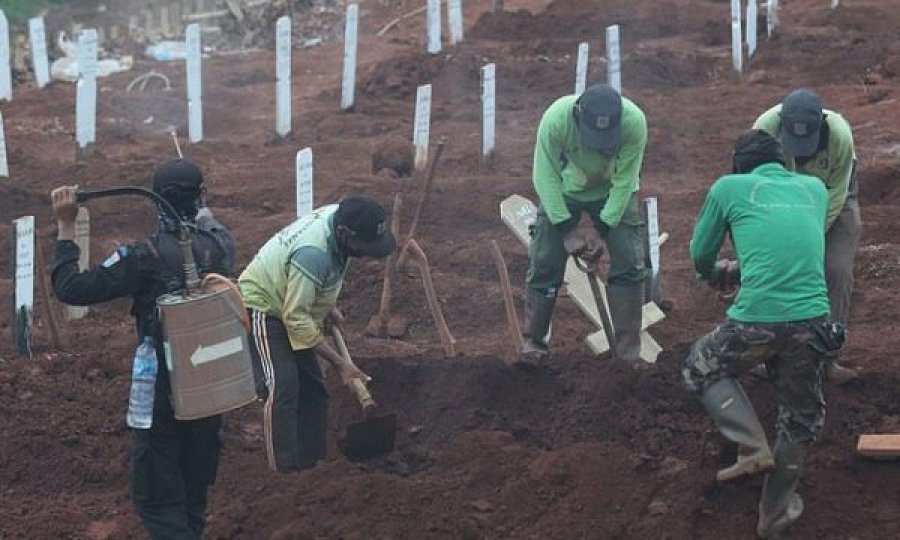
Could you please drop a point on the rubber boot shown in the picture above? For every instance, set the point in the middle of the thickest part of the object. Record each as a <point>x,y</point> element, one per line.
<point>836,372</point>
<point>780,504</point>
<point>626,303</point>
<point>538,312</point>
<point>736,419</point>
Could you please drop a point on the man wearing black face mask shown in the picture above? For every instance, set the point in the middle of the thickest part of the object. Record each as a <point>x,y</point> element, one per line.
<point>587,160</point>
<point>291,288</point>
<point>819,142</point>
<point>173,462</point>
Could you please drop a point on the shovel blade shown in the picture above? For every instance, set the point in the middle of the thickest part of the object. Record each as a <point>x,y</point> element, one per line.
<point>370,438</point>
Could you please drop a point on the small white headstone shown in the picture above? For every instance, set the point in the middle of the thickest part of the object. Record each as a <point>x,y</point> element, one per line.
<point>283,76</point>
<point>86,90</point>
<point>433,24</point>
<point>4,167</point>
<point>771,16</point>
<point>650,204</point>
<point>194,84</point>
<point>5,71</point>
<point>751,28</point>
<point>304,182</point>
<point>83,240</point>
<point>422,125</point>
<point>488,109</point>
<point>39,51</point>
<point>455,18</point>
<point>835,3</point>
<point>581,67</point>
<point>737,57</point>
<point>348,86</point>
<point>614,58</point>
<point>24,266</point>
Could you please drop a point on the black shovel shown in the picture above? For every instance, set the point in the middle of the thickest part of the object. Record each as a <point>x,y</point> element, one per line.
<point>375,434</point>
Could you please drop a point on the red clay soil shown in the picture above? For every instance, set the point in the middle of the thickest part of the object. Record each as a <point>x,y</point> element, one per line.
<point>581,451</point>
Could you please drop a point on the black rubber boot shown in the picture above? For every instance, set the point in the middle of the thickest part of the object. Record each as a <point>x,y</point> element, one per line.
<point>538,313</point>
<point>626,303</point>
<point>780,505</point>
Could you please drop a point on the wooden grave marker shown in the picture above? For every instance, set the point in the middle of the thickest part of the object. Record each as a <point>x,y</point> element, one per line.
<point>283,76</point>
<point>83,241</point>
<point>433,26</point>
<point>614,57</point>
<point>304,182</point>
<point>194,83</point>
<point>488,109</point>
<point>581,68</point>
<point>6,88</point>
<point>422,126</point>
<point>348,84</point>
<point>39,60</point>
<point>86,90</point>
<point>23,301</point>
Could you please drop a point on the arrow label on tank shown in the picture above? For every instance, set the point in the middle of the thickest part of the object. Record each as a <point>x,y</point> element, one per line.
<point>219,350</point>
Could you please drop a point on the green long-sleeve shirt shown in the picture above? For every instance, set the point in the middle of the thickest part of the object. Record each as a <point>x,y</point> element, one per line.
<point>563,168</point>
<point>832,164</point>
<point>776,219</point>
<point>297,276</point>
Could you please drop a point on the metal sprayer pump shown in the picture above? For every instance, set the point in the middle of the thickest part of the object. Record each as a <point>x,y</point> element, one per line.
<point>204,329</point>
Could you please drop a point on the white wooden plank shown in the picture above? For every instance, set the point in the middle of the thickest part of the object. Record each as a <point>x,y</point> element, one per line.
<point>39,58</point>
<point>614,57</point>
<point>4,165</point>
<point>737,56</point>
<point>24,292</point>
<point>751,28</point>
<point>304,182</point>
<point>194,83</point>
<point>283,76</point>
<point>83,240</point>
<point>422,126</point>
<point>348,86</point>
<point>488,109</point>
<point>581,68</point>
<point>455,19</point>
<point>433,26</point>
<point>86,89</point>
<point>5,69</point>
<point>771,16</point>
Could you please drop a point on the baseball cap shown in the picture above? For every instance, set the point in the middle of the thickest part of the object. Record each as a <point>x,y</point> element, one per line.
<point>801,119</point>
<point>599,113</point>
<point>366,219</point>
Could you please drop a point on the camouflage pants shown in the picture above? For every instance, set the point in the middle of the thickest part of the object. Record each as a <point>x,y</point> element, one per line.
<point>794,358</point>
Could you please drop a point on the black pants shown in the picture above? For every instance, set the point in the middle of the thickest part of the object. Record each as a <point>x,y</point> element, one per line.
<point>296,400</point>
<point>172,466</point>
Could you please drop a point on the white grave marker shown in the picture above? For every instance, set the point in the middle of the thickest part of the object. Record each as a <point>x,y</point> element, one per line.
<point>581,66</point>
<point>164,21</point>
<point>5,71</point>
<point>83,240</point>
<point>86,90</point>
<point>23,302</point>
<point>835,3</point>
<point>348,87</point>
<point>751,28</point>
<point>614,58</point>
<point>283,76</point>
<point>455,18</point>
<point>737,57</point>
<point>771,16</point>
<point>433,24</point>
<point>4,167</point>
<point>650,204</point>
<point>421,126</point>
<point>194,84</point>
<point>488,109</point>
<point>304,182</point>
<point>39,51</point>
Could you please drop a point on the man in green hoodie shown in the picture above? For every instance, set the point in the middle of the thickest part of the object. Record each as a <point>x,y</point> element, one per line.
<point>819,142</point>
<point>779,318</point>
<point>587,160</point>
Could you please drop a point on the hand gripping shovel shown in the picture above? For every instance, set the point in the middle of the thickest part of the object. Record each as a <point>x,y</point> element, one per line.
<point>374,435</point>
<point>591,272</point>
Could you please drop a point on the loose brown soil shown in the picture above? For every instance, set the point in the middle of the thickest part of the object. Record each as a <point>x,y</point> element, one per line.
<point>581,451</point>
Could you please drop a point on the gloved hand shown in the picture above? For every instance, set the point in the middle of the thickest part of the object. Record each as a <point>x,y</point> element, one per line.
<point>726,276</point>
<point>586,245</point>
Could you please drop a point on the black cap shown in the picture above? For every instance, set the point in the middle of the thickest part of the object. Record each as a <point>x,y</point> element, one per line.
<point>178,181</point>
<point>366,219</point>
<point>754,148</point>
<point>599,112</point>
<point>801,120</point>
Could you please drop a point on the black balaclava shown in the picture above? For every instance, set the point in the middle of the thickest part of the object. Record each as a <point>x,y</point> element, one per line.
<point>753,149</point>
<point>180,182</point>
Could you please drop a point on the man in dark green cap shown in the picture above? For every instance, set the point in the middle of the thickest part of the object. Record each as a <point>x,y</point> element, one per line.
<point>587,160</point>
<point>819,142</point>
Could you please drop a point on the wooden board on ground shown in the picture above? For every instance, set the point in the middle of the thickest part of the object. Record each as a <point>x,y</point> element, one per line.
<point>879,446</point>
<point>518,213</point>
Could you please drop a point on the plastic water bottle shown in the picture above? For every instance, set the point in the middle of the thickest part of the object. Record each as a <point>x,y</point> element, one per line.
<point>143,383</point>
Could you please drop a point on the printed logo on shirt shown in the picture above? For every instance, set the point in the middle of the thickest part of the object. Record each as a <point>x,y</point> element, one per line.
<point>822,162</point>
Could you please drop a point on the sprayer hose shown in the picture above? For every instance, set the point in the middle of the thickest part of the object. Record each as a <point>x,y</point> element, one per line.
<point>230,285</point>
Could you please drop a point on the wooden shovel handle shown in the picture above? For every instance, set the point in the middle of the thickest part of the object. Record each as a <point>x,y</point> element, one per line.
<point>359,387</point>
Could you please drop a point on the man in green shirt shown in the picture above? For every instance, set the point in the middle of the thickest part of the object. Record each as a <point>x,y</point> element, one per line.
<point>587,160</point>
<point>778,318</point>
<point>819,143</point>
<point>290,288</point>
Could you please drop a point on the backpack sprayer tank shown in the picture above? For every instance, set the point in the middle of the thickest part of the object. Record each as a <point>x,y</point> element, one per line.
<point>204,329</point>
